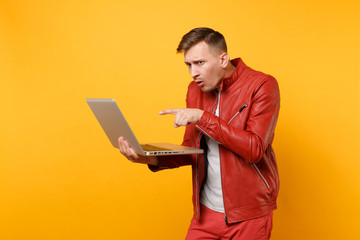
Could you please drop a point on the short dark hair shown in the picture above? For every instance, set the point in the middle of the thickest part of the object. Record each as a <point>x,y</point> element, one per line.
<point>210,36</point>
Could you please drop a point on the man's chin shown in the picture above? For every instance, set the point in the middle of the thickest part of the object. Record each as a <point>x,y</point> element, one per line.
<point>206,89</point>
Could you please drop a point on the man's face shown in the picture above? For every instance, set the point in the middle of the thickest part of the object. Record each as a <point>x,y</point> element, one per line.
<point>204,66</point>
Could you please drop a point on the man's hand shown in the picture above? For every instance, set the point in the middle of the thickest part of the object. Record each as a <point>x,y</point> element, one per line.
<point>184,116</point>
<point>131,155</point>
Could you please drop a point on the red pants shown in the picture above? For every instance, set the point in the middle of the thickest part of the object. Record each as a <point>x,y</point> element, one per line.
<point>212,226</point>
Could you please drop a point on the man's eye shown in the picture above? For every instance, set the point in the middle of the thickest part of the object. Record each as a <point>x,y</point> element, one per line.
<point>200,62</point>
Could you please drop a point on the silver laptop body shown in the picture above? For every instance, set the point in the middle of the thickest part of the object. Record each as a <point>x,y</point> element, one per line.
<point>114,125</point>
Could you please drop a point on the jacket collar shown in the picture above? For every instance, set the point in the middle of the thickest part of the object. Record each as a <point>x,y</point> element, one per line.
<point>239,68</point>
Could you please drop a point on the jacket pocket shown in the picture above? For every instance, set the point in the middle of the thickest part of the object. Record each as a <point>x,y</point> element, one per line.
<point>240,110</point>
<point>263,178</point>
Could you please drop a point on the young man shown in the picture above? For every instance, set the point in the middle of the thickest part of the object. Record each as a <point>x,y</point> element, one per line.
<point>231,113</point>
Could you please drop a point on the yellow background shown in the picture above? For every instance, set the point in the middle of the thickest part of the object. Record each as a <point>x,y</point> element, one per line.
<point>60,178</point>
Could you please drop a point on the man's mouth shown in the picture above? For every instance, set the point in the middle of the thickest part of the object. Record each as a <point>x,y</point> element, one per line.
<point>199,83</point>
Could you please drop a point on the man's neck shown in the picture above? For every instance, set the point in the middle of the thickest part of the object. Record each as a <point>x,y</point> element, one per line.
<point>230,68</point>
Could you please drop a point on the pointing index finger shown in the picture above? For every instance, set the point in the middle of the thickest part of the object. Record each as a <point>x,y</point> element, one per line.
<point>170,111</point>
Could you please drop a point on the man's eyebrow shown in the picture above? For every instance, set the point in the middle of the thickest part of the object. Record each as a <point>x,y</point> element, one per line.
<point>195,61</point>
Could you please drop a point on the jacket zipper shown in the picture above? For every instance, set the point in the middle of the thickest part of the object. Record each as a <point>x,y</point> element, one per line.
<point>240,110</point>
<point>222,187</point>
<point>197,180</point>
<point>216,99</point>
<point>263,178</point>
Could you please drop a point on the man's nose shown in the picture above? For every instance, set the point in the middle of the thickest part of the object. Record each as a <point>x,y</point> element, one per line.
<point>194,72</point>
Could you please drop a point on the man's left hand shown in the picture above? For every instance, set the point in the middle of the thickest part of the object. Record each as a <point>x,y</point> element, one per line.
<point>184,116</point>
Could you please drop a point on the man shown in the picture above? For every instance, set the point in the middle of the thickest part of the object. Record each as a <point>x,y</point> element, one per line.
<point>231,113</point>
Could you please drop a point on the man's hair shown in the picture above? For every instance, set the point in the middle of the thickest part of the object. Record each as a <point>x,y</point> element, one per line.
<point>211,37</point>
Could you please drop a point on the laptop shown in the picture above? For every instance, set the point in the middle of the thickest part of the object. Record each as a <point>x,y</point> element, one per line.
<point>114,125</point>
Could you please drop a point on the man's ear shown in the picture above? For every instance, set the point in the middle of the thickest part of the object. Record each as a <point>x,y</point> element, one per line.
<point>224,59</point>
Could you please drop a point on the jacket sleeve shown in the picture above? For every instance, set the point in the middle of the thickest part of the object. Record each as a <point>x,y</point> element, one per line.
<point>167,162</point>
<point>249,143</point>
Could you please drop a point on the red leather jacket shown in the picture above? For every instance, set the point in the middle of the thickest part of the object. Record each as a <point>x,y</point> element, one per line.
<point>248,112</point>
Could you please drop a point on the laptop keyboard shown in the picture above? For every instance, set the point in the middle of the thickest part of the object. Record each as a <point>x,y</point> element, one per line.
<point>147,147</point>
